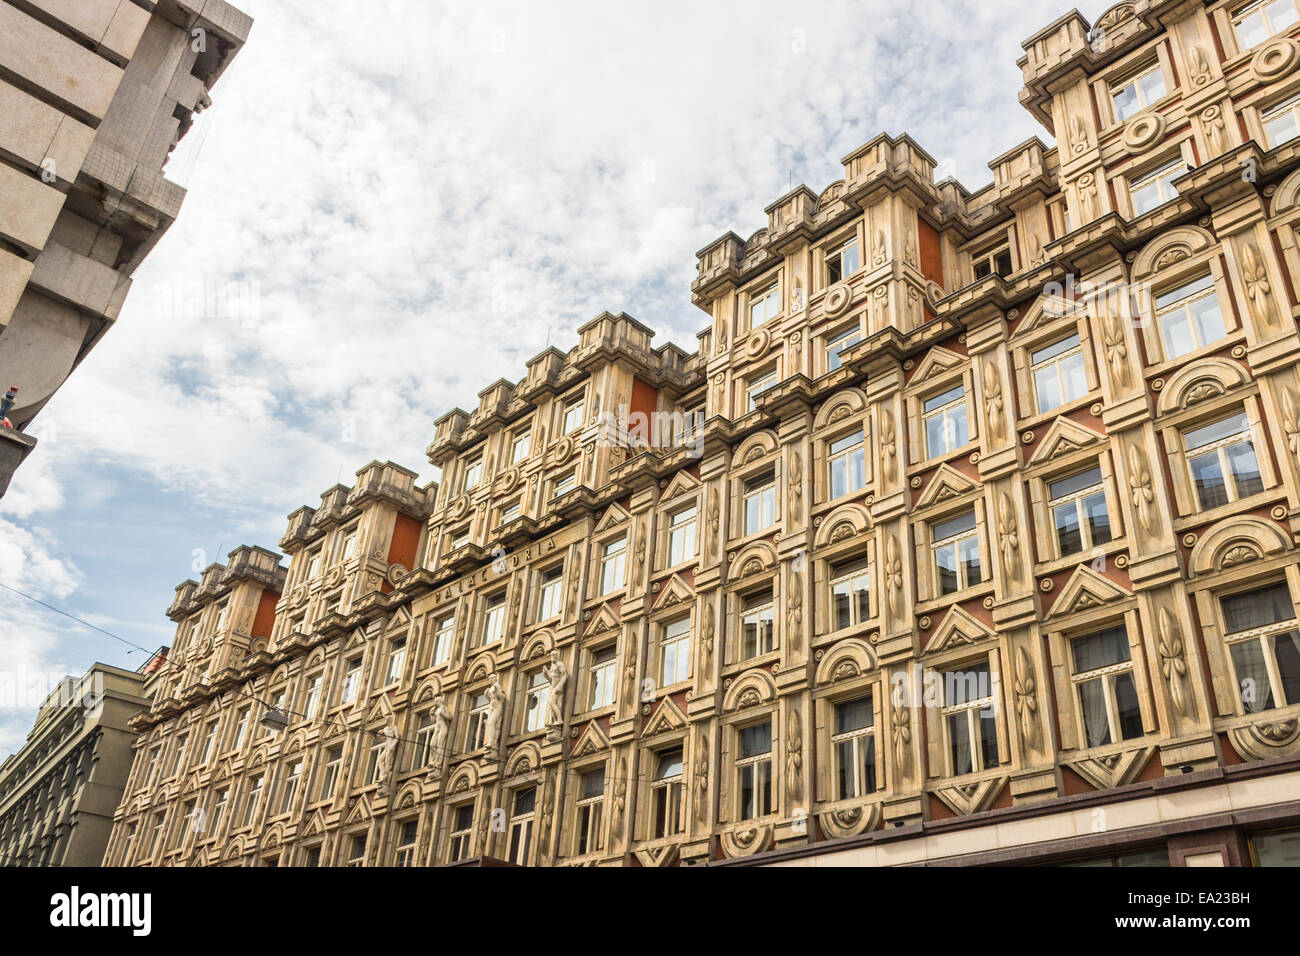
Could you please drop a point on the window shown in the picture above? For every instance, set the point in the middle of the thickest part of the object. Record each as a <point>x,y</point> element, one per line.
<point>591,798</point>
<point>315,685</point>
<point>573,414</point>
<point>612,560</point>
<point>351,682</point>
<point>313,565</point>
<point>254,799</point>
<point>520,446</point>
<point>1103,678</point>
<point>357,851</point>
<point>1257,22</point>
<point>536,699</point>
<point>396,661</point>
<point>675,652</point>
<point>565,483</point>
<point>997,259</point>
<point>756,385</point>
<point>209,741</point>
<point>423,742</point>
<point>159,826</point>
<point>462,829</point>
<point>1058,373</point>
<point>350,544</point>
<point>223,608</point>
<point>681,536</point>
<point>754,771</point>
<point>854,748</point>
<point>311,856</point>
<point>459,540</point>
<point>152,772</point>
<point>521,825</point>
<point>1222,460</point>
<point>956,549</point>
<point>377,742</point>
<point>241,727</point>
<point>764,304</point>
<point>836,345</point>
<point>946,427</point>
<point>444,631</point>
<point>1259,627</point>
<point>1133,95</point>
<point>1155,188</point>
<point>476,729</point>
<point>692,421</point>
<point>849,594</point>
<point>848,459</point>
<point>473,473</point>
<point>969,719</point>
<point>330,776</point>
<point>666,792</point>
<point>218,811</point>
<point>1282,122</point>
<point>760,503</point>
<point>509,512</point>
<point>1142,858</point>
<point>842,261</point>
<point>603,665</point>
<point>406,843</point>
<point>1189,317</point>
<point>292,774</point>
<point>1277,849</point>
<point>757,625</point>
<point>494,618</point>
<point>178,759</point>
<point>1079,515</point>
<point>552,593</point>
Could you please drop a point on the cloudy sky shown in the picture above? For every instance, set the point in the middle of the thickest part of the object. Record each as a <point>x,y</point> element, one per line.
<point>393,203</point>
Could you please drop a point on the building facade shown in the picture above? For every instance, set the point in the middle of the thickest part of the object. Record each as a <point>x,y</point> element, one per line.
<point>58,794</point>
<point>967,534</point>
<point>94,96</point>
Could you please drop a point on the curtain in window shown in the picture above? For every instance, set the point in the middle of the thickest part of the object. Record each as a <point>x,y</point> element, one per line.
<point>1252,676</point>
<point>1092,695</point>
<point>1241,612</point>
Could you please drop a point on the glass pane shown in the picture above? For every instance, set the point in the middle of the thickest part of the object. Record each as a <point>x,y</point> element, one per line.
<point>958,430</point>
<point>844,753</point>
<point>1208,478</point>
<point>1126,101</point>
<point>1251,30</point>
<point>1252,676</point>
<point>1094,506</point>
<point>954,526</point>
<point>1270,605</point>
<point>839,478</point>
<point>670,765</point>
<point>1216,431</point>
<point>1278,849</point>
<point>1066,518</point>
<point>1281,129</point>
<point>966,685</point>
<point>841,605</point>
<point>1208,318</point>
<point>959,744</point>
<point>853,715</point>
<point>945,559</point>
<point>1245,469</point>
<point>848,441</point>
<point>941,400</point>
<point>1281,14</point>
<point>1286,651</point>
<point>1153,86</point>
<point>1176,328</point>
<point>934,436</point>
<point>1126,701</point>
<point>970,559</point>
<point>1100,650</point>
<point>1092,703</point>
<point>1068,486</point>
<point>1075,383</point>
<point>1056,348</point>
<point>988,725</point>
<point>1047,385</point>
<point>756,740</point>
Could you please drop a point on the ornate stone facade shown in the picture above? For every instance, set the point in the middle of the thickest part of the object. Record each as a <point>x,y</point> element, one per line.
<point>969,533</point>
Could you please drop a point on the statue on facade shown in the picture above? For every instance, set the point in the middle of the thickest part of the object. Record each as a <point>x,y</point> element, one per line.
<point>384,767</point>
<point>496,707</point>
<point>558,675</point>
<point>441,717</point>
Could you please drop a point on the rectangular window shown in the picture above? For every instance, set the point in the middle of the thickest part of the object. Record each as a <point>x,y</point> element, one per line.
<point>462,829</point>
<point>552,593</point>
<point>223,609</point>
<point>357,851</point>
<point>591,799</point>
<point>521,825</point>
<point>675,652</point>
<point>848,461</point>
<point>838,344</point>
<point>612,561</point>
<point>969,718</point>
<point>330,776</point>
<point>760,503</point>
<point>351,682</point>
<point>956,548</point>
<point>406,844</point>
<point>254,799</point>
<point>854,748</point>
<point>1222,460</point>
<point>178,759</point>
<point>476,725</point>
<point>1282,122</point>
<point>494,618</point>
<point>681,536</point>
<point>946,426</point>
<point>423,742</point>
<point>396,661</point>
<point>1189,317</point>
<point>509,512</point>
<point>209,742</point>
<point>315,684</point>
<point>1133,95</point>
<point>574,413</point>
<point>313,565</point>
<point>1257,22</point>
<point>764,304</point>
<point>520,446</point>
<point>565,483</point>
<point>1277,849</point>
<point>1155,188</point>
<point>536,700</point>
<point>842,261</point>
<point>995,260</point>
<point>218,812</point>
<point>1058,373</point>
<point>444,632</point>
<point>666,794</point>
<point>602,677</point>
<point>849,594</point>
<point>1103,679</point>
<point>756,385</point>
<point>1079,515</point>
<point>241,727</point>
<point>292,774</point>
<point>757,625</point>
<point>754,771</point>
<point>350,544</point>
<point>1260,629</point>
<point>458,540</point>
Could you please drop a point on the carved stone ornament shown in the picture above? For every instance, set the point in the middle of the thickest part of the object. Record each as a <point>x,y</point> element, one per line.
<point>893,575</point>
<point>902,738</point>
<point>1008,536</point>
<point>1275,59</point>
<point>1198,65</point>
<point>1259,291</point>
<point>1116,350</point>
<point>1143,130</point>
<point>1078,134</point>
<point>794,759</point>
<point>1088,197</point>
<point>837,299</point>
<point>1144,495</point>
<point>1291,422</point>
<point>993,401</point>
<point>1215,130</point>
<point>1026,700</point>
<point>888,444</point>
<point>1173,665</point>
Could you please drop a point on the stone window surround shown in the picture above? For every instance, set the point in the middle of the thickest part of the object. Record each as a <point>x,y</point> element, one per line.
<point>1172,429</point>
<point>914,398</point>
<point>937,750</point>
<point>1048,548</point>
<point>927,582</point>
<point>1028,417</point>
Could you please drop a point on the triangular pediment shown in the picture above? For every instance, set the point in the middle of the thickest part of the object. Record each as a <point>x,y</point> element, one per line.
<point>315,825</point>
<point>614,516</point>
<point>676,591</point>
<point>593,740</point>
<point>380,710</point>
<point>357,638</point>
<point>1087,589</point>
<point>1063,437</point>
<point>959,628</point>
<point>1113,770</point>
<point>360,812</point>
<point>658,855</point>
<point>603,620</point>
<point>398,619</point>
<point>193,782</point>
<point>667,717</point>
<point>937,361</point>
<point>947,483</point>
<point>683,483</point>
<point>971,797</point>
<point>1046,311</point>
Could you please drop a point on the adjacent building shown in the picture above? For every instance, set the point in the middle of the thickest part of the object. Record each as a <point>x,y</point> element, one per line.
<point>59,792</point>
<point>94,95</point>
<point>967,535</point>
